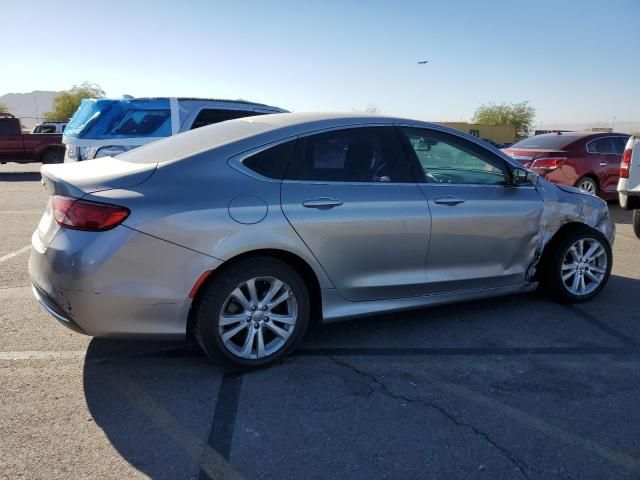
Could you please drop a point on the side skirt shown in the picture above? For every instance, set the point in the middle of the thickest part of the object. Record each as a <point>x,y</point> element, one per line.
<point>335,308</point>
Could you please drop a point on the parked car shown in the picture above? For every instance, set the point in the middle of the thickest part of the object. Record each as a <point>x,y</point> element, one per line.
<point>50,127</point>
<point>247,231</point>
<point>19,147</point>
<point>629,184</point>
<point>105,127</point>
<point>589,161</point>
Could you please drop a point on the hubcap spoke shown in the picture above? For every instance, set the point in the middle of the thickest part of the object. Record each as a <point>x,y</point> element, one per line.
<point>567,276</point>
<point>241,298</point>
<point>231,319</point>
<point>281,332</point>
<point>283,296</point>
<point>248,342</point>
<point>275,288</point>
<point>234,331</point>
<point>253,295</point>
<point>260,336</point>
<point>289,320</point>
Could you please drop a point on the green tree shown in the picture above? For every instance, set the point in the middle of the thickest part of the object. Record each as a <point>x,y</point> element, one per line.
<point>66,103</point>
<point>3,108</point>
<point>518,115</point>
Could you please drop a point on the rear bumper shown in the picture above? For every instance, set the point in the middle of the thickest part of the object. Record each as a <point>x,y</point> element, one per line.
<point>55,310</point>
<point>119,283</point>
<point>628,197</point>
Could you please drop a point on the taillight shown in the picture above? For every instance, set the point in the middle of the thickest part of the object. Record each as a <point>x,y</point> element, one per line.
<point>546,164</point>
<point>86,215</point>
<point>626,162</point>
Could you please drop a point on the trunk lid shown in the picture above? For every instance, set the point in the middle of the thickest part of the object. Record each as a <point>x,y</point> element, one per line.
<point>526,156</point>
<point>81,178</point>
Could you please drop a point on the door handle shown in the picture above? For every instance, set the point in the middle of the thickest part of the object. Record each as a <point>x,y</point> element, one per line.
<point>323,203</point>
<point>449,200</point>
<point>603,164</point>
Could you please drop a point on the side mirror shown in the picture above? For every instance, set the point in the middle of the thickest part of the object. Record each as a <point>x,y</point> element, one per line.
<point>520,176</point>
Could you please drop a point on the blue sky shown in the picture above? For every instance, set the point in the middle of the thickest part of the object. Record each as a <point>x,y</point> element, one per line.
<point>575,61</point>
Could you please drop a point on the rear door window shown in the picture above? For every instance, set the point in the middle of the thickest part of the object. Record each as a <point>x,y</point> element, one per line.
<point>367,154</point>
<point>209,116</point>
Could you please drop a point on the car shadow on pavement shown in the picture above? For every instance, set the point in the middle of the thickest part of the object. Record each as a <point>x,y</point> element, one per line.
<point>154,401</point>
<point>161,404</point>
<point>20,177</point>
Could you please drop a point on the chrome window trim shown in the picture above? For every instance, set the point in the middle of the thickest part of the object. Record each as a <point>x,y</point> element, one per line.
<point>600,138</point>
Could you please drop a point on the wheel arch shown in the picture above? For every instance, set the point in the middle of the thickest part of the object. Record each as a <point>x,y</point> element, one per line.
<point>593,177</point>
<point>301,266</point>
<point>49,148</point>
<point>548,247</point>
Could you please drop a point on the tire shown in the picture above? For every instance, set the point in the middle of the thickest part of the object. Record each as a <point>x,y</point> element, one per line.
<point>588,184</point>
<point>556,259</point>
<point>636,222</point>
<point>55,155</point>
<point>216,298</point>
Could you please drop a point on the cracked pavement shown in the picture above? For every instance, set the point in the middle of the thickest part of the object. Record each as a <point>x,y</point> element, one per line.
<point>510,388</point>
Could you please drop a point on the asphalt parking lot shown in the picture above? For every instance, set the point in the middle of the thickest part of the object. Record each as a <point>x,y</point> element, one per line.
<point>514,387</point>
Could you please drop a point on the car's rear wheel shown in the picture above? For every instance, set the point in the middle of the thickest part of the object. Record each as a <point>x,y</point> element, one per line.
<point>588,184</point>
<point>252,314</point>
<point>636,222</point>
<point>577,266</point>
<point>55,155</point>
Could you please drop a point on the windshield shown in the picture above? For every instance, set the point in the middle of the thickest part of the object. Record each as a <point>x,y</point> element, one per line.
<point>124,118</point>
<point>550,142</point>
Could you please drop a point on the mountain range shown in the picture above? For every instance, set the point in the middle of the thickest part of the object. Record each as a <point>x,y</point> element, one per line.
<point>29,107</point>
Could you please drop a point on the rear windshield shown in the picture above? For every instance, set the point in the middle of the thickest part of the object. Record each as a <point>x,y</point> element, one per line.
<point>550,142</point>
<point>107,118</point>
<point>195,141</point>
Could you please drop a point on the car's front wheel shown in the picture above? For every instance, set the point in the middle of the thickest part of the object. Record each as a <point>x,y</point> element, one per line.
<point>577,265</point>
<point>252,314</point>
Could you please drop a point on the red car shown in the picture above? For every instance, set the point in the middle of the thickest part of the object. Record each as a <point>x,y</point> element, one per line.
<point>590,161</point>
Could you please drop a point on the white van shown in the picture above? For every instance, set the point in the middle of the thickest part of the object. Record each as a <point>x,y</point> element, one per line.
<point>629,183</point>
<point>105,126</point>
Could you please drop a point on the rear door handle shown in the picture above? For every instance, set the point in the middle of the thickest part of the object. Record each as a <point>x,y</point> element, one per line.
<point>323,203</point>
<point>449,200</point>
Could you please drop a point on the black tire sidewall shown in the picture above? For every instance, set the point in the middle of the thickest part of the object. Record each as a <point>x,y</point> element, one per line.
<point>555,287</point>
<point>210,303</point>
<point>636,222</point>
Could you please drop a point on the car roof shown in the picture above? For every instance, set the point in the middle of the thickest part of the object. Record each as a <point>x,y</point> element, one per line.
<point>216,100</point>
<point>249,132</point>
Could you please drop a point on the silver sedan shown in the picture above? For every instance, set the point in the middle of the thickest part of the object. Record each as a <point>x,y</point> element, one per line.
<point>246,232</point>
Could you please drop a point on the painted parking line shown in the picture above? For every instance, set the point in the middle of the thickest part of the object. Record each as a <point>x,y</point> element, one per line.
<point>16,292</point>
<point>44,355</point>
<point>8,256</point>
<point>13,212</point>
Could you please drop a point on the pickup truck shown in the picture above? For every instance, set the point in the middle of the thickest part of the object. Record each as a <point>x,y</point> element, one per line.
<point>19,147</point>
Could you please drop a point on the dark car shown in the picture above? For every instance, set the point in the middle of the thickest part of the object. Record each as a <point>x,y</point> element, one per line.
<point>590,161</point>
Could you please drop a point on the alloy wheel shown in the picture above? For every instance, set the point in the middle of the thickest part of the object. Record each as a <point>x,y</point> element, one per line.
<point>584,266</point>
<point>588,186</point>
<point>258,317</point>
